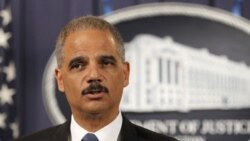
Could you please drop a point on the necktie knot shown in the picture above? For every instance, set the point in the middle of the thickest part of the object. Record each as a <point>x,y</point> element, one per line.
<point>90,137</point>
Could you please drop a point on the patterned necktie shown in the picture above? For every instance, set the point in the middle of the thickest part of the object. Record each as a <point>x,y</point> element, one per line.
<point>90,137</point>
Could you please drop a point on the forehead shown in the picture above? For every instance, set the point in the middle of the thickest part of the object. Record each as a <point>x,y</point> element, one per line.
<point>89,36</point>
<point>90,42</point>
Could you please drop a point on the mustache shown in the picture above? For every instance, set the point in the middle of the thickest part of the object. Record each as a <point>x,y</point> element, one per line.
<point>95,87</point>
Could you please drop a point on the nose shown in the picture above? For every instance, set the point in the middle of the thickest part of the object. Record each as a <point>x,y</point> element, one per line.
<point>94,74</point>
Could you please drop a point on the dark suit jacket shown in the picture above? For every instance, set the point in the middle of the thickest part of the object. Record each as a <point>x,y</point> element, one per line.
<point>129,132</point>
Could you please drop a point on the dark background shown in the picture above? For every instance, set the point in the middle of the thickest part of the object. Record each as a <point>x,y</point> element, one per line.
<point>36,24</point>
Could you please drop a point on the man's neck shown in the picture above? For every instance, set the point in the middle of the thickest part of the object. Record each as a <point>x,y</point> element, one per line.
<point>106,133</point>
<point>94,122</point>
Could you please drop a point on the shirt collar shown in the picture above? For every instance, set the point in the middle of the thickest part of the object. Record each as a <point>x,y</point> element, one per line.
<point>108,133</point>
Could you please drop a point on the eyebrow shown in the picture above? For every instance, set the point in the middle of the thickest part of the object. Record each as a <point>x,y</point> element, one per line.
<point>76,59</point>
<point>108,57</point>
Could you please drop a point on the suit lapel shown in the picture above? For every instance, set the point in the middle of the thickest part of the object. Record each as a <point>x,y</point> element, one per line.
<point>128,132</point>
<point>62,133</point>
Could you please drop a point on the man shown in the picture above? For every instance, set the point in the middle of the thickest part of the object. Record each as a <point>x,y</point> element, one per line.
<point>92,73</point>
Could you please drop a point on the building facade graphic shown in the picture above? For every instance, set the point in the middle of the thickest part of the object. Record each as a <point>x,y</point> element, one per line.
<point>169,76</point>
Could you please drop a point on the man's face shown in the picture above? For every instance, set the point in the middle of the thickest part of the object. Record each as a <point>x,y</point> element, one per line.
<point>91,58</point>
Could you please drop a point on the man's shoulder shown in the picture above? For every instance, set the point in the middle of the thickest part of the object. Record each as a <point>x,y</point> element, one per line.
<point>132,131</point>
<point>44,135</point>
<point>146,134</point>
<point>40,135</point>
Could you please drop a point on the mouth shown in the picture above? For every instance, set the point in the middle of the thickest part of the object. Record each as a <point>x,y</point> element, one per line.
<point>95,96</point>
<point>95,91</point>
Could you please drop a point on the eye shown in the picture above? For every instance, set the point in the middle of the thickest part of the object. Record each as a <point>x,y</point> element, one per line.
<point>77,66</point>
<point>106,62</point>
<point>77,63</point>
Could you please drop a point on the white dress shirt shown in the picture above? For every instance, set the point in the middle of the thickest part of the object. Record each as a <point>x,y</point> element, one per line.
<point>108,133</point>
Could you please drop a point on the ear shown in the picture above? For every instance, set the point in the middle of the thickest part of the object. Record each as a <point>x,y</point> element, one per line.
<point>59,80</point>
<point>126,70</point>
